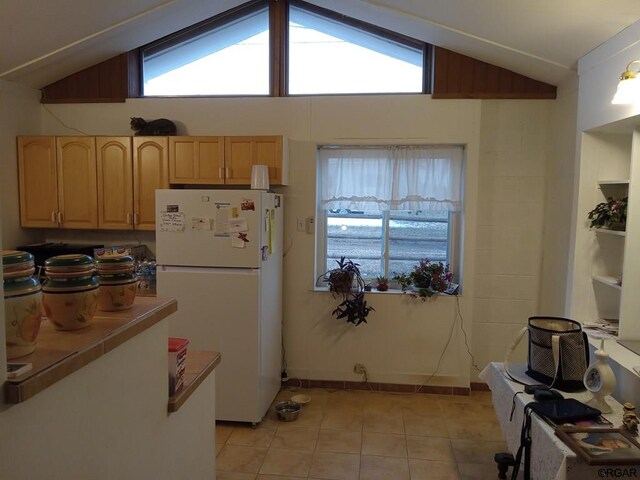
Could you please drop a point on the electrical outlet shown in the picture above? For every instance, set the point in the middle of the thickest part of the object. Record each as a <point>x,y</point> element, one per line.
<point>311,225</point>
<point>301,224</point>
<point>359,368</point>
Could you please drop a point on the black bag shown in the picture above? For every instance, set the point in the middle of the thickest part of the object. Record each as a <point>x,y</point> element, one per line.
<point>558,353</point>
<point>566,410</point>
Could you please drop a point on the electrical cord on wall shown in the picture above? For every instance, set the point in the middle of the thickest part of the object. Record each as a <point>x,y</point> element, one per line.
<point>60,120</point>
<point>453,324</point>
<point>473,360</point>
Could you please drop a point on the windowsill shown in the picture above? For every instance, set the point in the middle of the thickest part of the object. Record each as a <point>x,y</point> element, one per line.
<point>391,291</point>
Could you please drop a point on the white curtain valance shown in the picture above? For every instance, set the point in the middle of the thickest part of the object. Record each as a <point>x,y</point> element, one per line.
<point>391,178</point>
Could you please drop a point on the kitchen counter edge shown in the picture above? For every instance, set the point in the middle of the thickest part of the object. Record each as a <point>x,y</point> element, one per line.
<point>59,354</point>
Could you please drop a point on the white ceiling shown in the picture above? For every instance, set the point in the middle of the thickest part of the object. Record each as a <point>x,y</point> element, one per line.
<point>43,41</point>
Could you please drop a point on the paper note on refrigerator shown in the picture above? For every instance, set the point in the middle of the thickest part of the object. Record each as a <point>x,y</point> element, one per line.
<point>172,221</point>
<point>237,242</point>
<point>238,225</point>
<point>200,223</point>
<point>222,220</point>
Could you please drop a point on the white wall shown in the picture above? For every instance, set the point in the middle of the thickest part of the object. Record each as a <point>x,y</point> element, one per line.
<point>513,162</point>
<point>559,178</point>
<point>508,156</point>
<point>19,115</point>
<point>511,136</point>
<point>109,421</point>
<point>599,72</point>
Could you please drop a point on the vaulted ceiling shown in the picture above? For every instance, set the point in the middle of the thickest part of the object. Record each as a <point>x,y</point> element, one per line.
<point>43,41</point>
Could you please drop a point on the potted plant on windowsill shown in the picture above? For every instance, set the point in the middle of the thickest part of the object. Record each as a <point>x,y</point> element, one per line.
<point>382,283</point>
<point>611,214</point>
<point>426,279</point>
<point>345,280</point>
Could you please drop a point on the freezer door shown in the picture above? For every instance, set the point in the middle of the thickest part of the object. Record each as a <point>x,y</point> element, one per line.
<point>214,228</point>
<point>218,310</point>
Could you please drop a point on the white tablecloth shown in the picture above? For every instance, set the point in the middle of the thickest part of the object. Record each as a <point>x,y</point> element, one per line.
<point>550,457</point>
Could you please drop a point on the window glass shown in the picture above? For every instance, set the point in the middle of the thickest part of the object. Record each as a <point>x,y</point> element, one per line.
<point>356,235</point>
<point>231,58</point>
<point>327,57</point>
<point>387,208</point>
<point>412,235</point>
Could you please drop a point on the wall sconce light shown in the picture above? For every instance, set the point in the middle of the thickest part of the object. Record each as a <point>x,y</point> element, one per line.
<point>629,86</point>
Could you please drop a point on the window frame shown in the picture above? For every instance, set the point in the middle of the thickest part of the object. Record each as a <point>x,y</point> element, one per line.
<point>279,46</point>
<point>212,23</point>
<point>427,49</point>
<point>454,242</point>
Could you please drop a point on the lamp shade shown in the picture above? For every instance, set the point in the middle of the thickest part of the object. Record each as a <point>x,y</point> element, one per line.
<point>628,92</point>
<point>260,177</point>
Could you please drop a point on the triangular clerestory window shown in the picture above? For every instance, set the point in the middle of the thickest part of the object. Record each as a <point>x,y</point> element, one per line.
<point>318,52</point>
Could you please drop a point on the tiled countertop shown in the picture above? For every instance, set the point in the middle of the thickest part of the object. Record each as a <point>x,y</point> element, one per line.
<point>199,365</point>
<point>59,354</point>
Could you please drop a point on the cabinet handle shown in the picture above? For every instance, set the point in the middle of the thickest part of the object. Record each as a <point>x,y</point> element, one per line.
<point>227,172</point>
<point>136,219</point>
<point>54,218</point>
<point>220,172</point>
<point>129,218</point>
<point>60,218</point>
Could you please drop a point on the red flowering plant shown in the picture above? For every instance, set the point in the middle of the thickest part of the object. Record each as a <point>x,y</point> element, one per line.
<point>426,279</point>
<point>611,214</point>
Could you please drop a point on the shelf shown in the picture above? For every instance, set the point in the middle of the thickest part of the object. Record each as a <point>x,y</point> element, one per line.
<point>606,231</point>
<point>199,365</point>
<point>605,183</point>
<point>607,280</point>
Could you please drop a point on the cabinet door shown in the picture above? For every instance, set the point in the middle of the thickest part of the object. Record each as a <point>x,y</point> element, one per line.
<point>150,172</point>
<point>115,183</point>
<point>77,182</point>
<point>241,153</point>
<point>38,182</point>
<point>196,160</point>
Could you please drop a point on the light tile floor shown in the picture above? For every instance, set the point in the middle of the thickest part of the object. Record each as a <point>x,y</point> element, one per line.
<point>360,435</point>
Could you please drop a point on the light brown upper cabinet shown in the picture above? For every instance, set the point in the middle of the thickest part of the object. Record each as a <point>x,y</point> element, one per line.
<point>128,174</point>
<point>196,160</point>
<point>226,160</point>
<point>150,172</point>
<point>242,153</point>
<point>38,175</point>
<point>115,183</point>
<point>58,182</point>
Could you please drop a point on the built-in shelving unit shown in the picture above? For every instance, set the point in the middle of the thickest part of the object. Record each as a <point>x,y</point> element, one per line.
<point>605,281</point>
<point>606,231</point>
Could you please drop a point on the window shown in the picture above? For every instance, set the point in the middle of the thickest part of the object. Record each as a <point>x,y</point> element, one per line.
<point>264,47</point>
<point>226,55</point>
<point>328,56</point>
<point>386,208</point>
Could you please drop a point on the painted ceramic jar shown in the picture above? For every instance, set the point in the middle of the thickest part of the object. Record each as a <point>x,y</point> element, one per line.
<point>117,292</point>
<point>118,283</point>
<point>71,291</point>
<point>23,306</point>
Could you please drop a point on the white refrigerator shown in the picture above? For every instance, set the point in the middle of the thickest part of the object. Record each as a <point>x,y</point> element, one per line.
<point>219,253</point>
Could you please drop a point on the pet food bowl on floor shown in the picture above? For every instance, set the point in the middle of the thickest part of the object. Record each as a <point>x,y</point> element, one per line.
<point>301,399</point>
<point>287,411</point>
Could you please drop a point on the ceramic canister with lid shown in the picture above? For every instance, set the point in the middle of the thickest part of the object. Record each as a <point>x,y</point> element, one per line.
<point>71,291</point>
<point>118,283</point>
<point>23,308</point>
